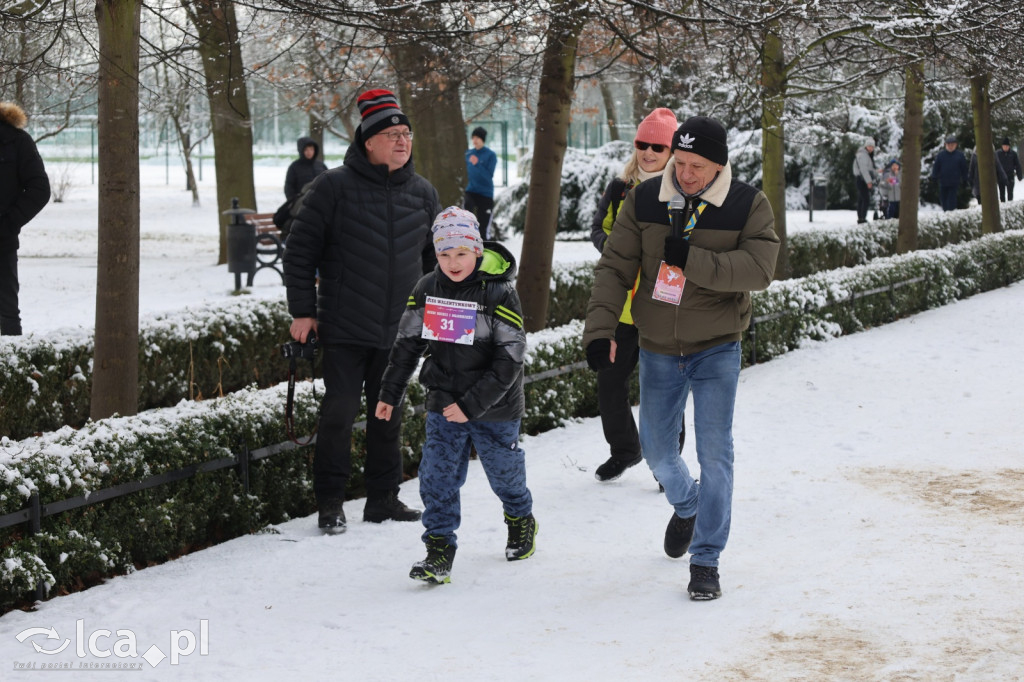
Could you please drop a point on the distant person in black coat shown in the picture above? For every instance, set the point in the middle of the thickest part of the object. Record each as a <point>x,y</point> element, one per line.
<point>303,169</point>
<point>950,171</point>
<point>24,190</point>
<point>1010,163</point>
<point>975,176</point>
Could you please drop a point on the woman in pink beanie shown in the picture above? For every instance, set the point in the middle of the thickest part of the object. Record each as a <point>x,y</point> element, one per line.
<point>652,148</point>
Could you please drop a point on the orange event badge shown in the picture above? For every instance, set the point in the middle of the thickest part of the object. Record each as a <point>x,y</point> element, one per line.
<point>669,285</point>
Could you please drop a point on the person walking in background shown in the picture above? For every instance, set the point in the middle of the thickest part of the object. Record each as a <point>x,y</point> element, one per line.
<point>480,165</point>
<point>890,189</point>
<point>975,177</point>
<point>364,227</point>
<point>866,177</point>
<point>467,318</point>
<point>24,190</point>
<point>651,152</point>
<point>1010,162</point>
<point>950,171</point>
<point>304,169</point>
<point>690,306</point>
<point>301,173</point>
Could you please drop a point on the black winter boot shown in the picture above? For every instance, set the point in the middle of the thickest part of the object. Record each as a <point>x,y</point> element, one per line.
<point>437,567</point>
<point>614,468</point>
<point>385,506</point>
<point>332,516</point>
<point>678,535</point>
<point>522,537</point>
<point>704,585</point>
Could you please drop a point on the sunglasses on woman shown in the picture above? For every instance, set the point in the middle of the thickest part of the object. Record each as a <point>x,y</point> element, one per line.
<point>656,148</point>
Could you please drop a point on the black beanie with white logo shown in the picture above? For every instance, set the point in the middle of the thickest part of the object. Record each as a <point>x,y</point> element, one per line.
<point>703,136</point>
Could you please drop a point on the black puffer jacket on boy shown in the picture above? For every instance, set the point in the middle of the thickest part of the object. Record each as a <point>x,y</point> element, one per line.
<point>484,378</point>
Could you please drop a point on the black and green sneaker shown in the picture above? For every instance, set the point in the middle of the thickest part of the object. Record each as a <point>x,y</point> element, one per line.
<point>522,536</point>
<point>437,567</point>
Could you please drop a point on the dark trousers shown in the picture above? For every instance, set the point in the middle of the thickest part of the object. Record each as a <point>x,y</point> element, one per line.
<point>1006,192</point>
<point>947,195</point>
<point>348,372</point>
<point>613,397</point>
<point>892,210</point>
<point>481,207</point>
<point>445,465</point>
<point>10,315</point>
<point>863,200</point>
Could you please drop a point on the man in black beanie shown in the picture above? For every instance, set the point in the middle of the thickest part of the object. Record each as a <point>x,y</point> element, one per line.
<point>1010,162</point>
<point>701,242</point>
<point>357,247</point>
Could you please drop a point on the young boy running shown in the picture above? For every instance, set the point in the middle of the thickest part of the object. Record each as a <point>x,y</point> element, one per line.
<point>467,314</point>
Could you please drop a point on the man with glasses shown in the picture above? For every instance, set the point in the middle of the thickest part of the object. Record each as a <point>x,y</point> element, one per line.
<point>364,231</point>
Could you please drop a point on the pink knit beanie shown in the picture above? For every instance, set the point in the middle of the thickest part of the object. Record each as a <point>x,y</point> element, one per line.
<point>657,128</point>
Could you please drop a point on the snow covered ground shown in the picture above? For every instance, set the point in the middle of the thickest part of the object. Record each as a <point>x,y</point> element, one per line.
<point>876,533</point>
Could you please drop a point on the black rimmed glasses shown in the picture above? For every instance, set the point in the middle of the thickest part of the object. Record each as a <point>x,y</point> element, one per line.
<point>644,146</point>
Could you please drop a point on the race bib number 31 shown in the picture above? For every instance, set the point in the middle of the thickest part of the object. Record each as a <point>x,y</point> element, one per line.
<point>669,286</point>
<point>450,321</point>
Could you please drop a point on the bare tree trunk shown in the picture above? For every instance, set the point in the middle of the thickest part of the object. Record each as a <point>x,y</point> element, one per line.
<point>610,111</point>
<point>554,106</point>
<point>185,140</point>
<point>433,105</point>
<point>230,121</point>
<point>773,171</point>
<point>981,105</point>
<point>115,379</point>
<point>316,131</point>
<point>910,177</point>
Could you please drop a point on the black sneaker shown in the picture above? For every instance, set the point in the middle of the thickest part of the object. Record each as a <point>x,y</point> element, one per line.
<point>678,535</point>
<point>386,506</point>
<point>704,585</point>
<point>522,536</point>
<point>614,468</point>
<point>332,517</point>
<point>437,567</point>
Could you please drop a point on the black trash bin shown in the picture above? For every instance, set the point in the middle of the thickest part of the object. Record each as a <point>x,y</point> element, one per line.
<point>819,192</point>
<point>241,243</point>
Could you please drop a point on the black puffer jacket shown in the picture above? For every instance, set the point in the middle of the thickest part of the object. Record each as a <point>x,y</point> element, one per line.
<point>486,378</point>
<point>367,233</point>
<point>302,171</point>
<point>24,186</point>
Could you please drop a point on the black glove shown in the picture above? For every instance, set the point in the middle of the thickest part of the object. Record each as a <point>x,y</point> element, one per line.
<point>597,354</point>
<point>677,250</point>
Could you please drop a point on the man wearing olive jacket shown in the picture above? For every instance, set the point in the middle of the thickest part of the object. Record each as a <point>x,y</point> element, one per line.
<point>689,335</point>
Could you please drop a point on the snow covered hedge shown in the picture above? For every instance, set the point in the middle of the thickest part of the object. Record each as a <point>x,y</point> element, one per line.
<point>198,352</point>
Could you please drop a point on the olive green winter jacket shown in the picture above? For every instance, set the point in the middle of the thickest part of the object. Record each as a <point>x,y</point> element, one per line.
<point>733,248</point>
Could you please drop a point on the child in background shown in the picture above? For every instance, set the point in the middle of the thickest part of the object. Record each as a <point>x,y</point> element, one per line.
<point>890,189</point>
<point>468,315</point>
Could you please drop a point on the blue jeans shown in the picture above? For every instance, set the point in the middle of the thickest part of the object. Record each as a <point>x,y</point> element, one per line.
<point>445,463</point>
<point>665,380</point>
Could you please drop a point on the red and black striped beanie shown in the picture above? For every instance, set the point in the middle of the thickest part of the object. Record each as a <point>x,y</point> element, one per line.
<point>379,110</point>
